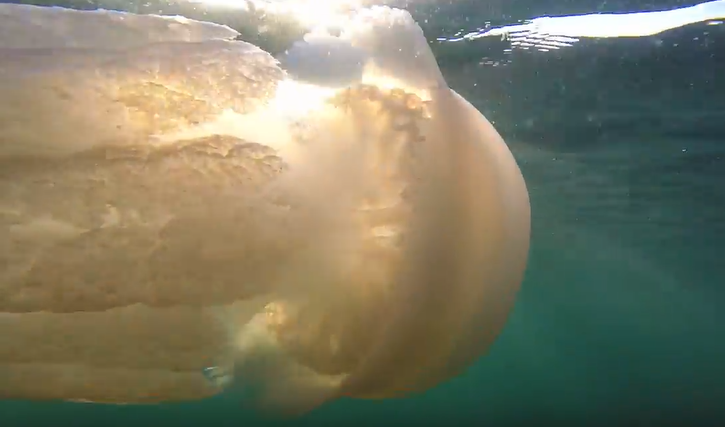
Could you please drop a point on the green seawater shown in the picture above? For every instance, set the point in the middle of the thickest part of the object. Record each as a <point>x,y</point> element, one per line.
<point>621,318</point>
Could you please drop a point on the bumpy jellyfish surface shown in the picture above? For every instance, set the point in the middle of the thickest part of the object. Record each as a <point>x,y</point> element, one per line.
<point>183,214</point>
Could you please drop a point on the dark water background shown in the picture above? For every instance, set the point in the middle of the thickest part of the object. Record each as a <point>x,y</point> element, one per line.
<point>621,319</point>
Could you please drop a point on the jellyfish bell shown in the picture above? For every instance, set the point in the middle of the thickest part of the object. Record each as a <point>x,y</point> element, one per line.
<point>182,216</point>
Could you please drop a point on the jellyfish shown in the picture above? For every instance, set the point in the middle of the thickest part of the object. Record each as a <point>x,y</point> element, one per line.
<point>184,215</point>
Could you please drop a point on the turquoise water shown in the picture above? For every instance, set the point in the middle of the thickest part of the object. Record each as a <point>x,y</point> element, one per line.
<point>620,320</point>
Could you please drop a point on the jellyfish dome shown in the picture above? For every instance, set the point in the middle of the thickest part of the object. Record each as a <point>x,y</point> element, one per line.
<point>183,214</point>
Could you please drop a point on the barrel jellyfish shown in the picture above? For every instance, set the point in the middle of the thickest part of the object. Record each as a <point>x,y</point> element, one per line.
<point>182,215</point>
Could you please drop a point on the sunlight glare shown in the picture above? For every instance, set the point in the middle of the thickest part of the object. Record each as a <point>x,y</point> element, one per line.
<point>296,99</point>
<point>307,12</point>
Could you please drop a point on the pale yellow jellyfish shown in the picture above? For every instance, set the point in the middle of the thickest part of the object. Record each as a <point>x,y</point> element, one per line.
<point>179,216</point>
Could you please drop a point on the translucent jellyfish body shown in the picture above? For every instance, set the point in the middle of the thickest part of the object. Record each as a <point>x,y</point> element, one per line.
<point>180,215</point>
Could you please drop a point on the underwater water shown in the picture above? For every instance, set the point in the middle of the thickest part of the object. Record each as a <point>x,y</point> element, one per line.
<point>620,319</point>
